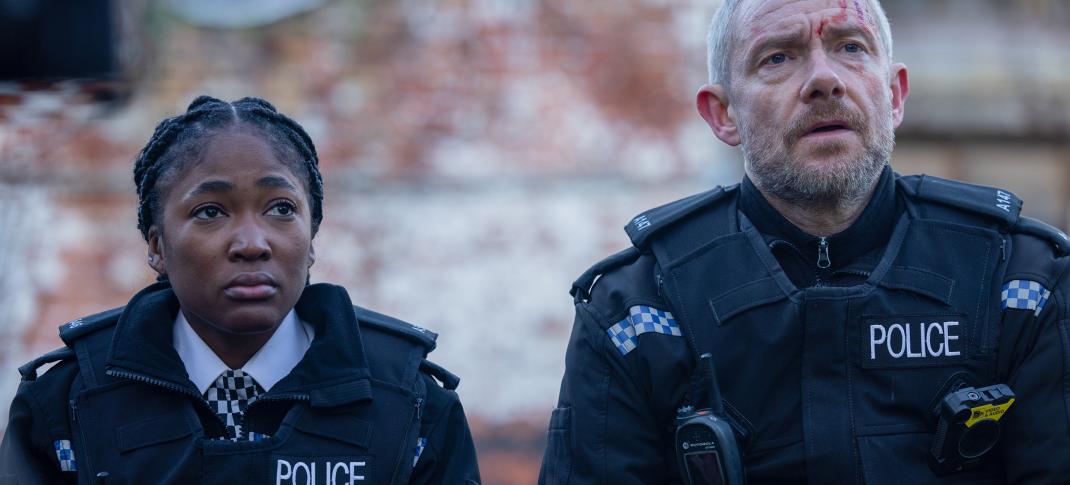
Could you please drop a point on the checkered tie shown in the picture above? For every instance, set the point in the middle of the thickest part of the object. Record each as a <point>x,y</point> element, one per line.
<point>228,396</point>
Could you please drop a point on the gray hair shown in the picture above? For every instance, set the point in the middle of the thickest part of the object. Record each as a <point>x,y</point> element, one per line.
<point>722,36</point>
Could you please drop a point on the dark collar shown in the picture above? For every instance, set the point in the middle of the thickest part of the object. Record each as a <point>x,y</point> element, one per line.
<point>872,229</point>
<point>333,371</point>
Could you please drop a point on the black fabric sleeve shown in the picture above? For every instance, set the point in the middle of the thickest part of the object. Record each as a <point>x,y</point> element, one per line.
<point>602,430</point>
<point>27,454</point>
<point>1035,361</point>
<point>449,455</point>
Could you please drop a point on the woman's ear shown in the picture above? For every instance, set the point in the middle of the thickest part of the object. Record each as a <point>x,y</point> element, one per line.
<point>156,259</point>
<point>311,255</point>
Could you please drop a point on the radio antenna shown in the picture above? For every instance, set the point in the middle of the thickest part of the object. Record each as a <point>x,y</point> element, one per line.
<point>716,402</point>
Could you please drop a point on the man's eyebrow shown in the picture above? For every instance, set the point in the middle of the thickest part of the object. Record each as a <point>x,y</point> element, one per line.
<point>213,186</point>
<point>275,182</point>
<point>840,31</point>
<point>785,39</point>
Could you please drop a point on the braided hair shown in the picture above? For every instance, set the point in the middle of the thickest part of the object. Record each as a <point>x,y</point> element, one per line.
<point>172,146</point>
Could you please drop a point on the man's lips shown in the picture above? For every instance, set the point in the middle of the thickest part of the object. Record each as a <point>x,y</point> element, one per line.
<point>826,128</point>
<point>251,286</point>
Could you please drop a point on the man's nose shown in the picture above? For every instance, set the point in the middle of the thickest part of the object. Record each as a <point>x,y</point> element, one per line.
<point>824,82</point>
<point>249,242</point>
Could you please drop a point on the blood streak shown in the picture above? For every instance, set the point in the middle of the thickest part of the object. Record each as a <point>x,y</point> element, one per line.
<point>841,17</point>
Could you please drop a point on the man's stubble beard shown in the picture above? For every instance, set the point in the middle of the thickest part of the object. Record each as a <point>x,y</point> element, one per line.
<point>840,183</point>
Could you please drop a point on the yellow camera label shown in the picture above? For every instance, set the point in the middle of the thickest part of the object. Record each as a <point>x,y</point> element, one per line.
<point>988,411</point>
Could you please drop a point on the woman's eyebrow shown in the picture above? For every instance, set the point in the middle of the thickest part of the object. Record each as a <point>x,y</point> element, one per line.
<point>275,182</point>
<point>213,186</point>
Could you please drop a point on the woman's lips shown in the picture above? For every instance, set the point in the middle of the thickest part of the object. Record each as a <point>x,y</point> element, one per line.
<point>250,292</point>
<point>251,286</point>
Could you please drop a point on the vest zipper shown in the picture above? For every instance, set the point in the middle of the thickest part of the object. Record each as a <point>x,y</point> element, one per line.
<point>166,385</point>
<point>823,260</point>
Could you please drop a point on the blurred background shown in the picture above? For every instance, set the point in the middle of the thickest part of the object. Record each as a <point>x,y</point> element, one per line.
<point>478,154</point>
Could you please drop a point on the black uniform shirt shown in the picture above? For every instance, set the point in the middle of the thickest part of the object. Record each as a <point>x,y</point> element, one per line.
<point>852,253</point>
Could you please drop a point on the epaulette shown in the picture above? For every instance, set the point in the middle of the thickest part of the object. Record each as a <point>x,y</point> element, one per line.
<point>74,329</point>
<point>646,225</point>
<point>992,202</point>
<point>448,379</point>
<point>581,288</point>
<point>1033,227</point>
<point>29,370</point>
<point>419,335</point>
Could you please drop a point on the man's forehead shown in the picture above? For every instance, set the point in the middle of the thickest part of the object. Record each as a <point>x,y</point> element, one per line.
<point>760,14</point>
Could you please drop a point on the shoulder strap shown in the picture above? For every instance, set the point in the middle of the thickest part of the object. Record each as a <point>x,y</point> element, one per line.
<point>79,327</point>
<point>1035,228</point>
<point>413,333</point>
<point>581,288</point>
<point>647,225</point>
<point>448,379</point>
<point>77,335</point>
<point>943,198</point>
<point>28,371</point>
<point>422,339</point>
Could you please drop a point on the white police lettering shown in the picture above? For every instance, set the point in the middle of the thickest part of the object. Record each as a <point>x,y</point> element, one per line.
<point>641,222</point>
<point>913,340</point>
<point>1003,200</point>
<point>318,473</point>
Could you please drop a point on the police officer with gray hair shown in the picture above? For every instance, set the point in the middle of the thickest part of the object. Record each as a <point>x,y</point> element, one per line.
<point>826,320</point>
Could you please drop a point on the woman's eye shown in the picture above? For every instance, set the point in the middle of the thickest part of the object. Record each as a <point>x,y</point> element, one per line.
<point>208,212</point>
<point>282,209</point>
<point>852,48</point>
<point>776,59</point>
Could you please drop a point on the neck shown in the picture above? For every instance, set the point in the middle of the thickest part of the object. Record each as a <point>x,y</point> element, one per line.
<point>233,349</point>
<point>822,220</point>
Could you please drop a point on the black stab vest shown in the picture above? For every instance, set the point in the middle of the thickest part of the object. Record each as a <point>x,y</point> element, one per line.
<point>849,374</point>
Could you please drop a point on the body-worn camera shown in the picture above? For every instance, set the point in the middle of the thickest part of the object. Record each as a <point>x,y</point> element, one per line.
<point>706,446</point>
<point>969,427</point>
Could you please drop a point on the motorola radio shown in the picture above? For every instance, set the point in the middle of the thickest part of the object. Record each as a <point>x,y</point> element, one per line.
<point>706,448</point>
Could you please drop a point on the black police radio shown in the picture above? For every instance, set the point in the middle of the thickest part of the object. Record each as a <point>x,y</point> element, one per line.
<point>706,448</point>
<point>968,427</point>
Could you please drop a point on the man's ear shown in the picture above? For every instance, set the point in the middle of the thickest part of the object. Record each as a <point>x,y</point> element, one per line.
<point>712,101</point>
<point>311,255</point>
<point>900,86</point>
<point>156,260</point>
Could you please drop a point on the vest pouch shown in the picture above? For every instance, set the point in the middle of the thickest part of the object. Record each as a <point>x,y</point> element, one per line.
<point>887,459</point>
<point>137,434</point>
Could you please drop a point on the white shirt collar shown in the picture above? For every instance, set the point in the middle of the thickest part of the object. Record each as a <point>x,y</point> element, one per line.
<point>275,360</point>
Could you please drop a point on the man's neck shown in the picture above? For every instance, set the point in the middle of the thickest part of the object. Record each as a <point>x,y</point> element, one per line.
<point>822,220</point>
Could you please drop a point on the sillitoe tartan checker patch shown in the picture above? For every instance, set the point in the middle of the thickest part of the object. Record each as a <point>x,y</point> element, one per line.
<point>641,319</point>
<point>1024,295</point>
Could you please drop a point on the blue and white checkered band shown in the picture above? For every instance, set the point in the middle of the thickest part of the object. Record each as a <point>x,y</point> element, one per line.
<point>1025,295</point>
<point>254,436</point>
<point>421,443</point>
<point>65,454</point>
<point>641,319</point>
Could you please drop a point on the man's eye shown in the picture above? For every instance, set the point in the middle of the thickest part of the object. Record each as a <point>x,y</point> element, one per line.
<point>852,48</point>
<point>282,209</point>
<point>208,212</point>
<point>776,59</point>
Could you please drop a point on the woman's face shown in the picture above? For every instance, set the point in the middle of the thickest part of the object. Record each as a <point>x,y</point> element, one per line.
<point>234,236</point>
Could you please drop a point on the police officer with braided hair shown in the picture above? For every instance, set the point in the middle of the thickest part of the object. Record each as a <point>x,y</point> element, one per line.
<point>232,368</point>
<point>826,320</point>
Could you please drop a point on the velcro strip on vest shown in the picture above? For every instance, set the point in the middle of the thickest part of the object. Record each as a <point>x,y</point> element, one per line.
<point>641,319</point>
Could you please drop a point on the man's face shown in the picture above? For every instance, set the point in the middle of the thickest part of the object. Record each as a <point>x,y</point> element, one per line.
<point>235,237</point>
<point>814,98</point>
